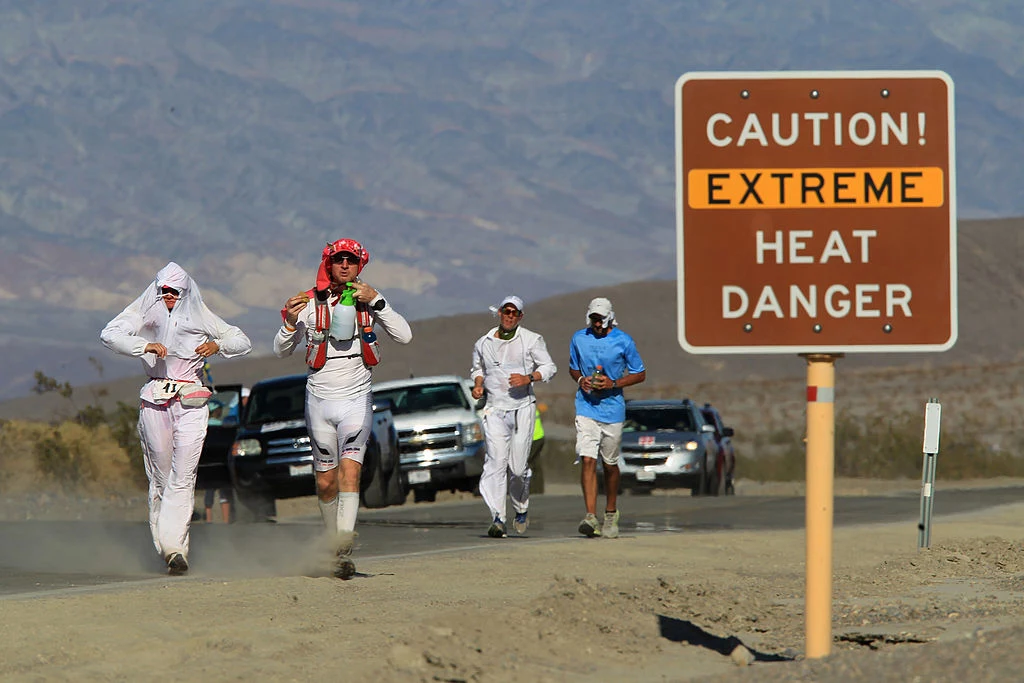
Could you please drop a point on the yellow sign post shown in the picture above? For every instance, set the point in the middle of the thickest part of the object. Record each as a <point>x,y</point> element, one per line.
<point>821,437</point>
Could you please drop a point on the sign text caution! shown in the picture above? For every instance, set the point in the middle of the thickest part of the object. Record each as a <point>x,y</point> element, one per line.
<point>816,212</point>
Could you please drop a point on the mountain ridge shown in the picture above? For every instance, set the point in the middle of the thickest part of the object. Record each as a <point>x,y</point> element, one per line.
<point>468,145</point>
<point>991,285</point>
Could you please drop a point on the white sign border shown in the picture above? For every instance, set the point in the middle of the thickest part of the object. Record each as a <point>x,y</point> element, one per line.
<point>831,75</point>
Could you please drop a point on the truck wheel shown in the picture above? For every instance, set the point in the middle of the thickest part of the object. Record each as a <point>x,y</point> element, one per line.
<point>701,489</point>
<point>397,489</point>
<point>424,495</point>
<point>373,494</point>
<point>717,485</point>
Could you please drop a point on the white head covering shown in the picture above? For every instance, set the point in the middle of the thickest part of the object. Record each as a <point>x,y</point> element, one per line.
<point>603,308</point>
<point>189,307</point>
<point>510,299</point>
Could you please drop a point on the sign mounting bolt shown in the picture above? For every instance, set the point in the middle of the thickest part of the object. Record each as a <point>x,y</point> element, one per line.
<point>885,92</point>
<point>816,328</point>
<point>814,94</point>
<point>887,328</point>
<point>748,327</point>
<point>745,94</point>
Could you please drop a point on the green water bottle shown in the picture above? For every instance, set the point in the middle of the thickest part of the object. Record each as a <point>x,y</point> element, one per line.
<point>598,372</point>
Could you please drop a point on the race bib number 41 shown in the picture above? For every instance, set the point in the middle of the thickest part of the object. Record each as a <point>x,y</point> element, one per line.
<point>164,390</point>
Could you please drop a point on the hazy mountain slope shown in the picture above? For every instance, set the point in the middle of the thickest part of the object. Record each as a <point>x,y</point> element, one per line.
<point>991,327</point>
<point>473,146</point>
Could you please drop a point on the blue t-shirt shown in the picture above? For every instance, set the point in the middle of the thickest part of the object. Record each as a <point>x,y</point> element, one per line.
<point>616,354</point>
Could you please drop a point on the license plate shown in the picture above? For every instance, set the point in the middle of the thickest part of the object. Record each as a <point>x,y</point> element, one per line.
<point>419,477</point>
<point>644,476</point>
<point>299,470</point>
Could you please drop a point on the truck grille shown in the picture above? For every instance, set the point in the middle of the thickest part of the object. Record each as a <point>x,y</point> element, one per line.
<point>435,439</point>
<point>654,448</point>
<point>289,445</point>
<point>640,462</point>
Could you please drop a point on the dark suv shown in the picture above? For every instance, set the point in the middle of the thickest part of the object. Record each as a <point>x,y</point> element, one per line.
<point>725,463</point>
<point>272,456</point>
<point>667,443</point>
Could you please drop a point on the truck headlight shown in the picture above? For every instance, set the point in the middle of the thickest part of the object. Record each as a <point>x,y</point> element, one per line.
<point>245,447</point>
<point>472,432</point>
<point>691,445</point>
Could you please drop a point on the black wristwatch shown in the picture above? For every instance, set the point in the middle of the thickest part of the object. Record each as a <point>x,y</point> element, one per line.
<point>379,306</point>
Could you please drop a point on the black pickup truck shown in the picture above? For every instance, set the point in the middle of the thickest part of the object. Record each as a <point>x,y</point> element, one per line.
<point>263,451</point>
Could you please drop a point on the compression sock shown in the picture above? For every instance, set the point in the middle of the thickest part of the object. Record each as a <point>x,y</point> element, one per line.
<point>329,511</point>
<point>348,508</point>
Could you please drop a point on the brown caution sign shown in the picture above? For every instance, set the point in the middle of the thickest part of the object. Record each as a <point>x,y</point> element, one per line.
<point>816,212</point>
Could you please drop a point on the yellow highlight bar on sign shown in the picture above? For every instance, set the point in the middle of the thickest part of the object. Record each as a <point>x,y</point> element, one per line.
<point>815,188</point>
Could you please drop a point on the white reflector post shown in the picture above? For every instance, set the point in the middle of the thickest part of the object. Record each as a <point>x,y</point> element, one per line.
<point>932,416</point>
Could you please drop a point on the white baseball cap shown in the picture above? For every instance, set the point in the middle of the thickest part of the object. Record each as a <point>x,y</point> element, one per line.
<point>514,300</point>
<point>602,307</point>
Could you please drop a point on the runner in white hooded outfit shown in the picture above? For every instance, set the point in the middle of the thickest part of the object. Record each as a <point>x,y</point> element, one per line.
<point>506,362</point>
<point>172,331</point>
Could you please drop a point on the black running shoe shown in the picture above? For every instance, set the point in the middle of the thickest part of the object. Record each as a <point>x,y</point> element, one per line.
<point>497,529</point>
<point>344,568</point>
<point>176,564</point>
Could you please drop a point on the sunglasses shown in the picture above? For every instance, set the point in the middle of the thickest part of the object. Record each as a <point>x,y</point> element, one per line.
<point>510,311</point>
<point>169,290</point>
<point>344,257</point>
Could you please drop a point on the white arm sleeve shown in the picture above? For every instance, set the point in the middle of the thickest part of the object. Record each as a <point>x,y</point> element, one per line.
<point>545,366</point>
<point>393,323</point>
<point>231,340</point>
<point>477,369</point>
<point>285,341</point>
<point>121,333</point>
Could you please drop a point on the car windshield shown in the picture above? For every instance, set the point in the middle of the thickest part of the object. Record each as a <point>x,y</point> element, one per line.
<point>674,419</point>
<point>424,398</point>
<point>223,407</point>
<point>276,402</point>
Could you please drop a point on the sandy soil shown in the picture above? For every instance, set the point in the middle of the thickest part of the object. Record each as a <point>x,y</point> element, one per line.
<point>640,608</point>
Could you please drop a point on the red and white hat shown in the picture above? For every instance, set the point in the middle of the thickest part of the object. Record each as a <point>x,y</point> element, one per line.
<point>323,277</point>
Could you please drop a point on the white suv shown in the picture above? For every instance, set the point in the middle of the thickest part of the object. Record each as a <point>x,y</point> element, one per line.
<point>440,437</point>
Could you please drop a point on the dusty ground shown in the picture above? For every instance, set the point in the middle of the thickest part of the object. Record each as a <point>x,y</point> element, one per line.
<point>642,608</point>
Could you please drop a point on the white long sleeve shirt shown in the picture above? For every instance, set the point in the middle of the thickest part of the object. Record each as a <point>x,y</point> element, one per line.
<point>344,375</point>
<point>496,359</point>
<point>181,330</point>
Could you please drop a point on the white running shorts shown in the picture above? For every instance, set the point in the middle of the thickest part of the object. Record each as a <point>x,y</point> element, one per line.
<point>338,428</point>
<point>593,437</point>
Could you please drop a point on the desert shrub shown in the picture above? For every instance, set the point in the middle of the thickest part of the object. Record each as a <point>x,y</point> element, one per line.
<point>788,465</point>
<point>95,451</point>
<point>18,470</point>
<point>67,457</point>
<point>91,416</point>
<point>60,461</point>
<point>123,422</point>
<point>879,446</point>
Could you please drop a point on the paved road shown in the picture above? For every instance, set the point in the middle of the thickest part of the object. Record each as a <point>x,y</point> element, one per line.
<point>38,557</point>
